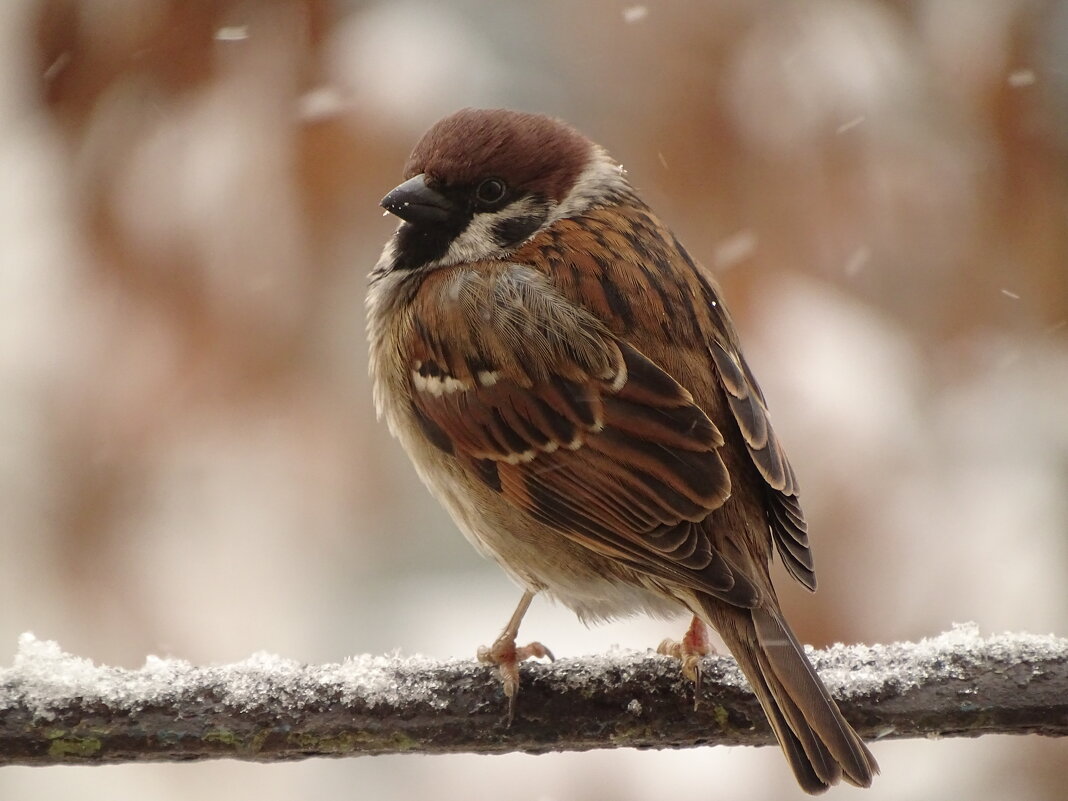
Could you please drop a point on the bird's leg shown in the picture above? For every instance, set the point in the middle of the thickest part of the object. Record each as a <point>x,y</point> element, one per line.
<point>693,647</point>
<point>506,655</point>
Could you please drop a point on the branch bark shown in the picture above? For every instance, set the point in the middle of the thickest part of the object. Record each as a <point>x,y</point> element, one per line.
<point>59,709</point>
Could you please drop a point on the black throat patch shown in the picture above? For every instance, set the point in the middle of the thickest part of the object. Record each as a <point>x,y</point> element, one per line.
<point>420,245</point>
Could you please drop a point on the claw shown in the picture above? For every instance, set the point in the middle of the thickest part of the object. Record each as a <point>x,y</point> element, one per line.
<point>506,655</point>
<point>690,651</point>
<point>534,650</point>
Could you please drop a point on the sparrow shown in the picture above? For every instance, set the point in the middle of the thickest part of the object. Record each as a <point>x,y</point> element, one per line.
<point>569,385</point>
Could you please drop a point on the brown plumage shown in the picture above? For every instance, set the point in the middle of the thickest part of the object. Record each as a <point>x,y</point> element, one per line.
<point>569,384</point>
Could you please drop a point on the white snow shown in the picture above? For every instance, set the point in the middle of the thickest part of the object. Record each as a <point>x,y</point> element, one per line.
<point>60,63</point>
<point>388,679</point>
<point>857,260</point>
<point>851,124</point>
<point>854,670</point>
<point>1018,78</point>
<point>734,249</point>
<point>321,103</point>
<point>43,678</point>
<point>232,33</point>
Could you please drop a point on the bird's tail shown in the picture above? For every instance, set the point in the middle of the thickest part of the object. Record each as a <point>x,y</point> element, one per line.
<point>820,745</point>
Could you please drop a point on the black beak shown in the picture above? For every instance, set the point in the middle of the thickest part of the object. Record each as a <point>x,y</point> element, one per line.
<point>417,203</point>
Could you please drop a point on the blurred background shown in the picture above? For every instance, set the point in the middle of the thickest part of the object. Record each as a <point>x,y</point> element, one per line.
<point>189,461</point>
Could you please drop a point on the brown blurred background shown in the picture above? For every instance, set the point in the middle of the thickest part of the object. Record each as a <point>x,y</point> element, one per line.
<point>189,462</point>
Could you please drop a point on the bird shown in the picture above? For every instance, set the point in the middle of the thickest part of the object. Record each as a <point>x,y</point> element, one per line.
<point>569,385</point>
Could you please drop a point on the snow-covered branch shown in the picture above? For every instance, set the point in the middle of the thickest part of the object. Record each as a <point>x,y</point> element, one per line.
<point>60,709</point>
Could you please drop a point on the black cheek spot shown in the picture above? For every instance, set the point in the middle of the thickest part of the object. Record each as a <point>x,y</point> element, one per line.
<point>513,230</point>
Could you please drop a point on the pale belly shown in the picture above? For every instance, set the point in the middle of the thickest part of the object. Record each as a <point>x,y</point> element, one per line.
<point>537,557</point>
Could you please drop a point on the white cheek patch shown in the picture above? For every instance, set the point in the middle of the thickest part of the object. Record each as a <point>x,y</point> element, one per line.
<point>474,243</point>
<point>601,180</point>
<point>479,240</point>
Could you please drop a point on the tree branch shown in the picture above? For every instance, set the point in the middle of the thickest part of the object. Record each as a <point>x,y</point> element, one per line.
<point>60,709</point>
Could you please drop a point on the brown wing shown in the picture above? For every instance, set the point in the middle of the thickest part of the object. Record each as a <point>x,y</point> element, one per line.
<point>537,400</point>
<point>652,288</point>
<point>787,523</point>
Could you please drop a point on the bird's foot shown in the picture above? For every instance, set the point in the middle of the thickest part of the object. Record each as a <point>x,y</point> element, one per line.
<point>693,647</point>
<point>506,655</point>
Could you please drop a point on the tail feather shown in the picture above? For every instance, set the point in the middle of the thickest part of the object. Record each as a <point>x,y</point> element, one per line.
<point>819,744</point>
<point>795,673</point>
<point>812,764</point>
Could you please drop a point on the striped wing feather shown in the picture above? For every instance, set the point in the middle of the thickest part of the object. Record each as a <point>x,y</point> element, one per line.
<point>593,439</point>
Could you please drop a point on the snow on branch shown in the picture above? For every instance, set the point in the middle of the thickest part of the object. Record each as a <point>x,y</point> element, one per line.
<point>60,709</point>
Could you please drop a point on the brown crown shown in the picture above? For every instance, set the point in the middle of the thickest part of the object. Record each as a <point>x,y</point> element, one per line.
<point>530,151</point>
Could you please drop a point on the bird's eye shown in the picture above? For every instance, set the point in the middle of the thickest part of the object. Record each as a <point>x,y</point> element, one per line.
<point>491,191</point>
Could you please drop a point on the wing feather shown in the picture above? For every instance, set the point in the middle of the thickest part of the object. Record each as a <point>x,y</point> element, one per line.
<point>785,519</point>
<point>575,427</point>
